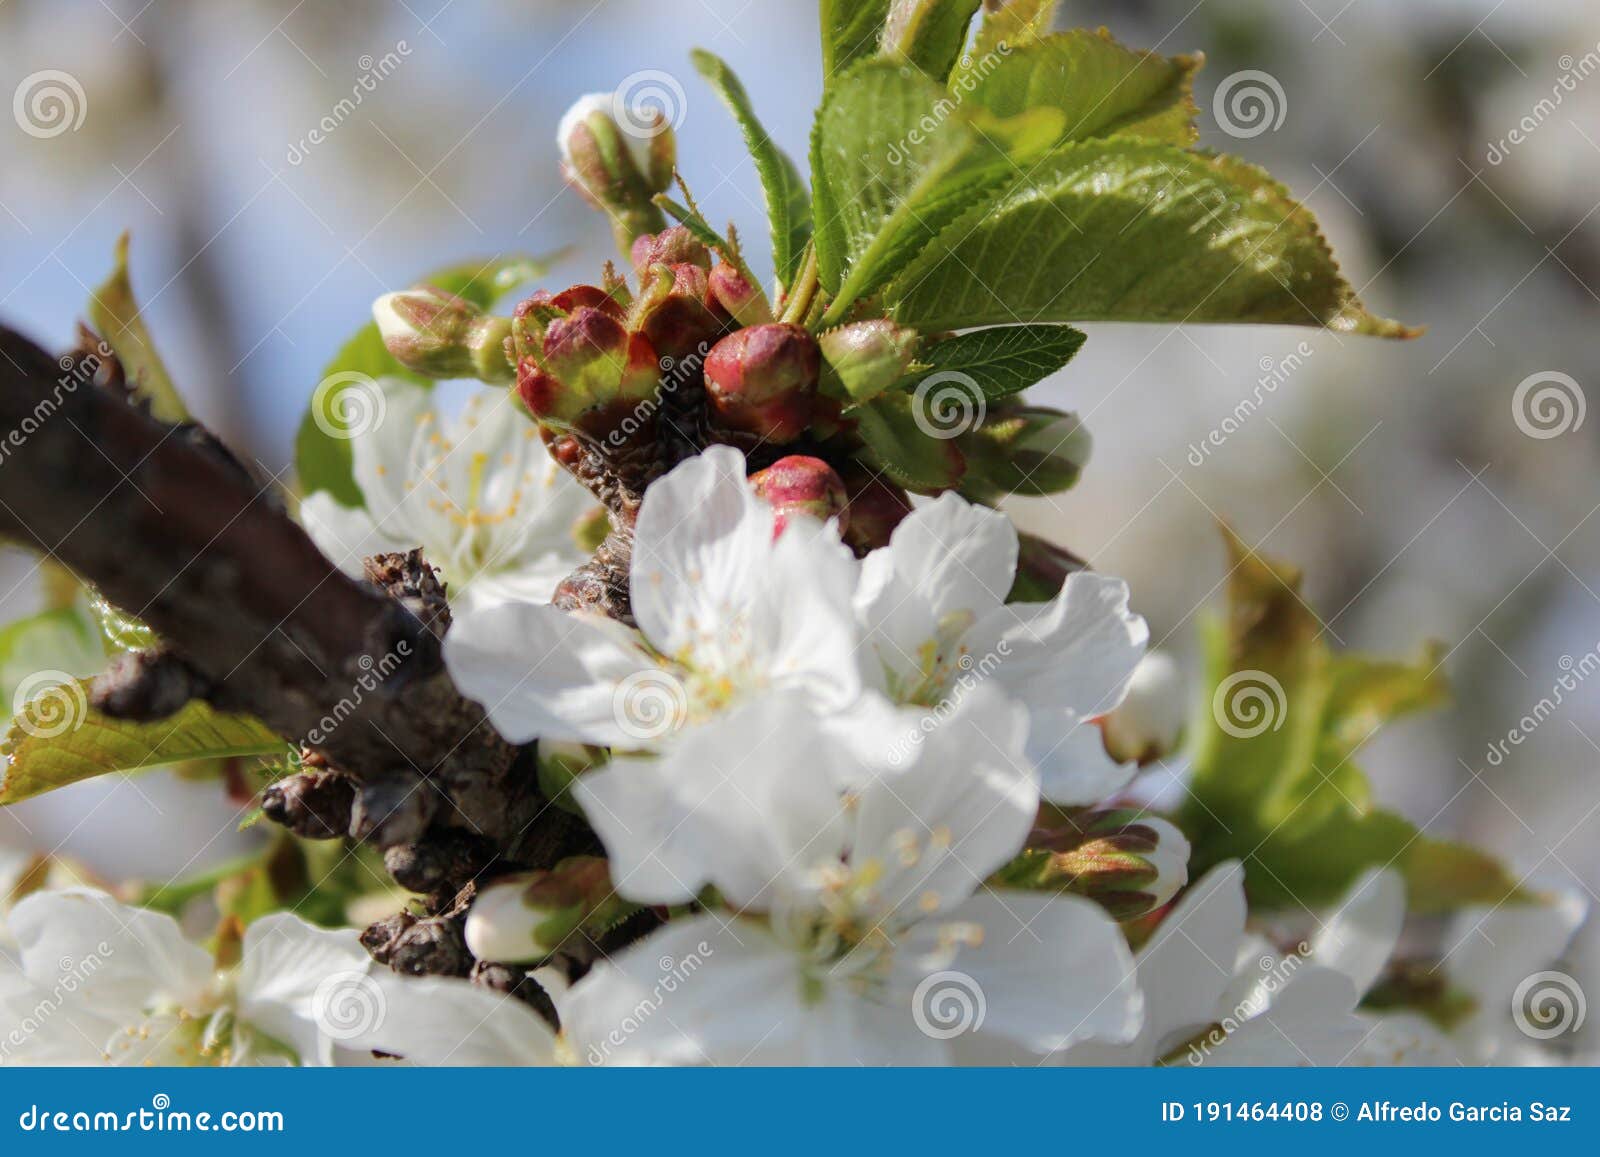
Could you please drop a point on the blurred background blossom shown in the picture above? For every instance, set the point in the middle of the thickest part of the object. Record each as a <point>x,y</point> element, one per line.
<point>281,164</point>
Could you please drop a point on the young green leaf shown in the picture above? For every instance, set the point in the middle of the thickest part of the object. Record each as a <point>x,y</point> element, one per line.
<point>1015,23</point>
<point>930,33</point>
<point>899,445</point>
<point>788,202</point>
<point>1006,360</point>
<point>115,315</point>
<point>1274,783</point>
<point>322,457</point>
<point>40,649</point>
<point>1124,230</point>
<point>1102,88</point>
<point>851,30</point>
<point>899,158</point>
<point>57,739</point>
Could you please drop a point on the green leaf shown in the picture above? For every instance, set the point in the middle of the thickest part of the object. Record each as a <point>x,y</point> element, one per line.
<point>1274,783</point>
<point>1123,230</point>
<point>1018,23</point>
<point>898,158</point>
<point>703,230</point>
<point>58,739</point>
<point>930,33</point>
<point>788,201</point>
<point>115,315</point>
<point>850,31</point>
<point>898,445</point>
<point>323,458</point>
<point>1006,360</point>
<point>1102,88</point>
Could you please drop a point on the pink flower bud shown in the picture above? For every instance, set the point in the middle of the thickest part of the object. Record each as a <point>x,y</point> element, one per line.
<point>675,246</point>
<point>762,381</point>
<point>800,484</point>
<point>738,297</point>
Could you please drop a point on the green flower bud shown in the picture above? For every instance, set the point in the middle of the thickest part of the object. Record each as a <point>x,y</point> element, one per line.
<point>800,484</point>
<point>525,919</point>
<point>618,162</point>
<point>1126,861</point>
<point>862,360</point>
<point>1023,449</point>
<point>674,311</point>
<point>1148,723</point>
<point>589,370</point>
<point>762,380</point>
<point>440,335</point>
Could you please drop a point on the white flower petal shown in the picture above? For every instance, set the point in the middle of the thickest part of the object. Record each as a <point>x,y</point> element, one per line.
<point>1050,971</point>
<point>541,673</point>
<point>1074,768</point>
<point>1360,936</point>
<point>124,955</point>
<point>937,829</point>
<point>1072,656</point>
<point>443,1022</point>
<point>741,802</point>
<point>347,536</point>
<point>289,973</point>
<point>694,992</point>
<point>948,559</point>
